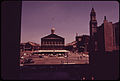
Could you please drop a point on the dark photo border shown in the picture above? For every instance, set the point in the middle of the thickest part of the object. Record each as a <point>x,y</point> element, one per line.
<point>99,67</point>
<point>10,39</point>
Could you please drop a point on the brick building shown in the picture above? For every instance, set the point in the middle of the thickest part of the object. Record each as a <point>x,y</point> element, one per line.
<point>81,44</point>
<point>93,31</point>
<point>105,34</point>
<point>71,46</point>
<point>29,46</point>
<point>116,36</point>
<point>103,38</point>
<point>52,42</point>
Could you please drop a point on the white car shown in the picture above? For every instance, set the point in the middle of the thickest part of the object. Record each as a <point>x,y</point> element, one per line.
<point>22,57</point>
<point>85,55</point>
<point>65,56</point>
<point>24,53</point>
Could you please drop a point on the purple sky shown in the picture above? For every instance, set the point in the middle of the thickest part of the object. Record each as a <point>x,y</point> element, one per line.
<point>67,17</point>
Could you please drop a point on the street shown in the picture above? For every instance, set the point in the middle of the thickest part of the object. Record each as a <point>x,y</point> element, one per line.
<point>73,58</point>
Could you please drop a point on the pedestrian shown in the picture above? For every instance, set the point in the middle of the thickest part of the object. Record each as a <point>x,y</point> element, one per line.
<point>80,57</point>
<point>93,78</point>
<point>83,78</point>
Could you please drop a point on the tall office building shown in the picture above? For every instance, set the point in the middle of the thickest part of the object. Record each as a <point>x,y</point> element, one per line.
<point>105,36</point>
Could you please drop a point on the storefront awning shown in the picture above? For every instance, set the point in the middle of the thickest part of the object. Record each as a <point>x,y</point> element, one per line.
<point>52,51</point>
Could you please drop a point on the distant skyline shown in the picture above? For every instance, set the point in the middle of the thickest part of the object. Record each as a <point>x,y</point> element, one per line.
<point>67,17</point>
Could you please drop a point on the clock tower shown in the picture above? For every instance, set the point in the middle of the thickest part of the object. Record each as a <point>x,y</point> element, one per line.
<point>93,23</point>
<point>93,31</point>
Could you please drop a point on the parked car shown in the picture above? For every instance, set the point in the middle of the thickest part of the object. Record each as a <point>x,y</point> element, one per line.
<point>28,61</point>
<point>65,56</point>
<point>40,56</point>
